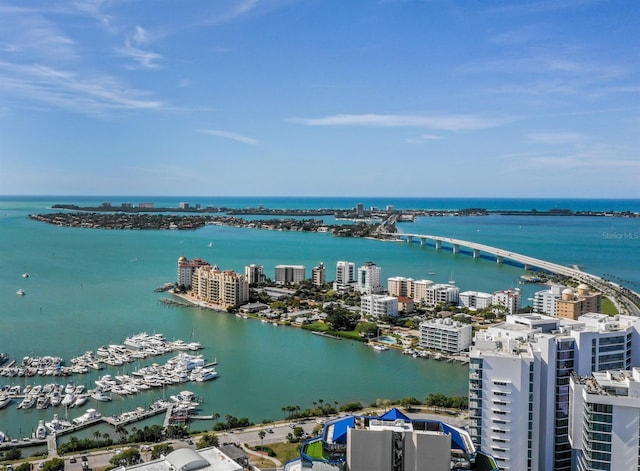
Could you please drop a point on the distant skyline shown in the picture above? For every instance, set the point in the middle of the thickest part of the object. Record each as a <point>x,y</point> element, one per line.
<point>407,98</point>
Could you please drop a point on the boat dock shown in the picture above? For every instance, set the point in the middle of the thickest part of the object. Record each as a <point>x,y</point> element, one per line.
<point>133,416</point>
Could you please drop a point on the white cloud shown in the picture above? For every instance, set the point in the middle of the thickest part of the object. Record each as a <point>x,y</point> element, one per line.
<point>555,138</point>
<point>422,138</point>
<point>439,122</point>
<point>64,89</point>
<point>230,135</point>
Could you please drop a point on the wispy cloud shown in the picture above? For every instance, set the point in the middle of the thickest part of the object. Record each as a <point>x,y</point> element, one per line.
<point>68,90</point>
<point>230,135</point>
<point>132,49</point>
<point>555,138</point>
<point>423,138</point>
<point>439,122</point>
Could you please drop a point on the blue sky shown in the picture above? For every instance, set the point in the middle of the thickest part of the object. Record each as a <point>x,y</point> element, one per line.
<point>320,97</point>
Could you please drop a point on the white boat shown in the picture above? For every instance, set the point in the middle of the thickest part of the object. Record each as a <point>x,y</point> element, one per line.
<point>55,399</point>
<point>91,414</point>
<point>28,402</point>
<point>81,400</point>
<point>380,348</point>
<point>41,431</point>
<point>5,401</point>
<point>101,396</point>
<point>68,400</point>
<point>57,425</point>
<point>20,292</point>
<point>203,374</point>
<point>43,401</point>
<point>26,275</point>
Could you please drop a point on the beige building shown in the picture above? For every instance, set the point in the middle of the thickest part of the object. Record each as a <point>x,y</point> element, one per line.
<point>573,304</point>
<point>319,275</point>
<point>225,288</point>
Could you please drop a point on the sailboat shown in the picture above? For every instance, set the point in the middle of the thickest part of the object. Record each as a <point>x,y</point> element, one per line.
<point>452,281</point>
<point>210,244</point>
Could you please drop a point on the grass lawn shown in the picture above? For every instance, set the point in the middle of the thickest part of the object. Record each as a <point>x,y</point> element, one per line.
<point>607,307</point>
<point>285,451</point>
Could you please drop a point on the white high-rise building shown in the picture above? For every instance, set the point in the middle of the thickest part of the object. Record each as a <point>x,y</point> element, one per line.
<point>544,301</point>
<point>186,269</point>
<point>510,299</point>
<point>434,294</point>
<point>290,274</point>
<point>605,420</point>
<point>345,276</point>
<point>369,276</point>
<point>445,335</point>
<point>475,300</point>
<point>254,274</point>
<point>378,305</point>
<point>550,349</point>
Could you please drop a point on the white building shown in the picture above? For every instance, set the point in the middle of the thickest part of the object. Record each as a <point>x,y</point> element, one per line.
<point>544,301</point>
<point>378,305</point>
<point>511,299</point>
<point>290,274</point>
<point>186,459</point>
<point>254,274</point>
<point>533,356</point>
<point>420,288</point>
<point>186,268</point>
<point>605,420</point>
<point>441,293</point>
<point>369,279</point>
<point>475,300</point>
<point>445,335</point>
<point>345,276</point>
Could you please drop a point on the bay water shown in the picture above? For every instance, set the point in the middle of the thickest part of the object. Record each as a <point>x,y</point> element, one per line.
<point>94,287</point>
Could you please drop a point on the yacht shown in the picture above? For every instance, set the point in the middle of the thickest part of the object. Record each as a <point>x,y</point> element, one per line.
<point>28,402</point>
<point>68,400</point>
<point>380,348</point>
<point>43,401</point>
<point>57,425</point>
<point>81,400</point>
<point>55,398</point>
<point>41,431</point>
<point>203,374</point>
<point>101,396</point>
<point>5,401</point>
<point>91,414</point>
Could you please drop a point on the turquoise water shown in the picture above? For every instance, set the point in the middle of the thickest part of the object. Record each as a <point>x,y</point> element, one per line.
<point>93,287</point>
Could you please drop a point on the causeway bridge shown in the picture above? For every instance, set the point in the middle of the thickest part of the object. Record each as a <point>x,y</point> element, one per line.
<point>627,301</point>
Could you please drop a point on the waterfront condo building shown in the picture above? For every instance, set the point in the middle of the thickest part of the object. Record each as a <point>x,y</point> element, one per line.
<point>319,275</point>
<point>378,305</point>
<point>573,304</point>
<point>544,301</point>
<point>400,286</point>
<point>475,300</point>
<point>290,274</point>
<point>519,398</point>
<point>225,288</point>
<point>369,276</point>
<point>605,420</point>
<point>254,274</point>
<point>434,294</point>
<point>186,268</point>
<point>445,335</point>
<point>345,276</point>
<point>509,299</point>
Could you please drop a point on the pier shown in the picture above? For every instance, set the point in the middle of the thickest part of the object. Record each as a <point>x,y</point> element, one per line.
<point>627,301</point>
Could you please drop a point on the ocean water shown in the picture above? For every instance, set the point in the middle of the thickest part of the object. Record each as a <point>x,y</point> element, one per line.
<point>94,287</point>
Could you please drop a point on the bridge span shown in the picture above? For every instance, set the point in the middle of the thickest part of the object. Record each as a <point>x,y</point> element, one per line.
<point>627,301</point>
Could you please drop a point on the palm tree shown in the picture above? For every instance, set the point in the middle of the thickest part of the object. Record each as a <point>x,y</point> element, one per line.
<point>97,434</point>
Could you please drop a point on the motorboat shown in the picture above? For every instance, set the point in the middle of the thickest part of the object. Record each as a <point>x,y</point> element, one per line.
<point>81,400</point>
<point>41,431</point>
<point>380,348</point>
<point>203,374</point>
<point>20,292</point>
<point>101,396</point>
<point>28,402</point>
<point>57,425</point>
<point>43,401</point>
<point>5,401</point>
<point>88,416</point>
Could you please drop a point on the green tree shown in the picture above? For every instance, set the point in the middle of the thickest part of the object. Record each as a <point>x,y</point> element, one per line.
<point>128,457</point>
<point>161,449</point>
<point>12,454</point>
<point>54,464</point>
<point>207,440</point>
<point>261,434</point>
<point>26,466</point>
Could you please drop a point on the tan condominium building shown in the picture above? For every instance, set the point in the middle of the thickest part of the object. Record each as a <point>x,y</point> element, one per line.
<point>573,304</point>
<point>225,288</point>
